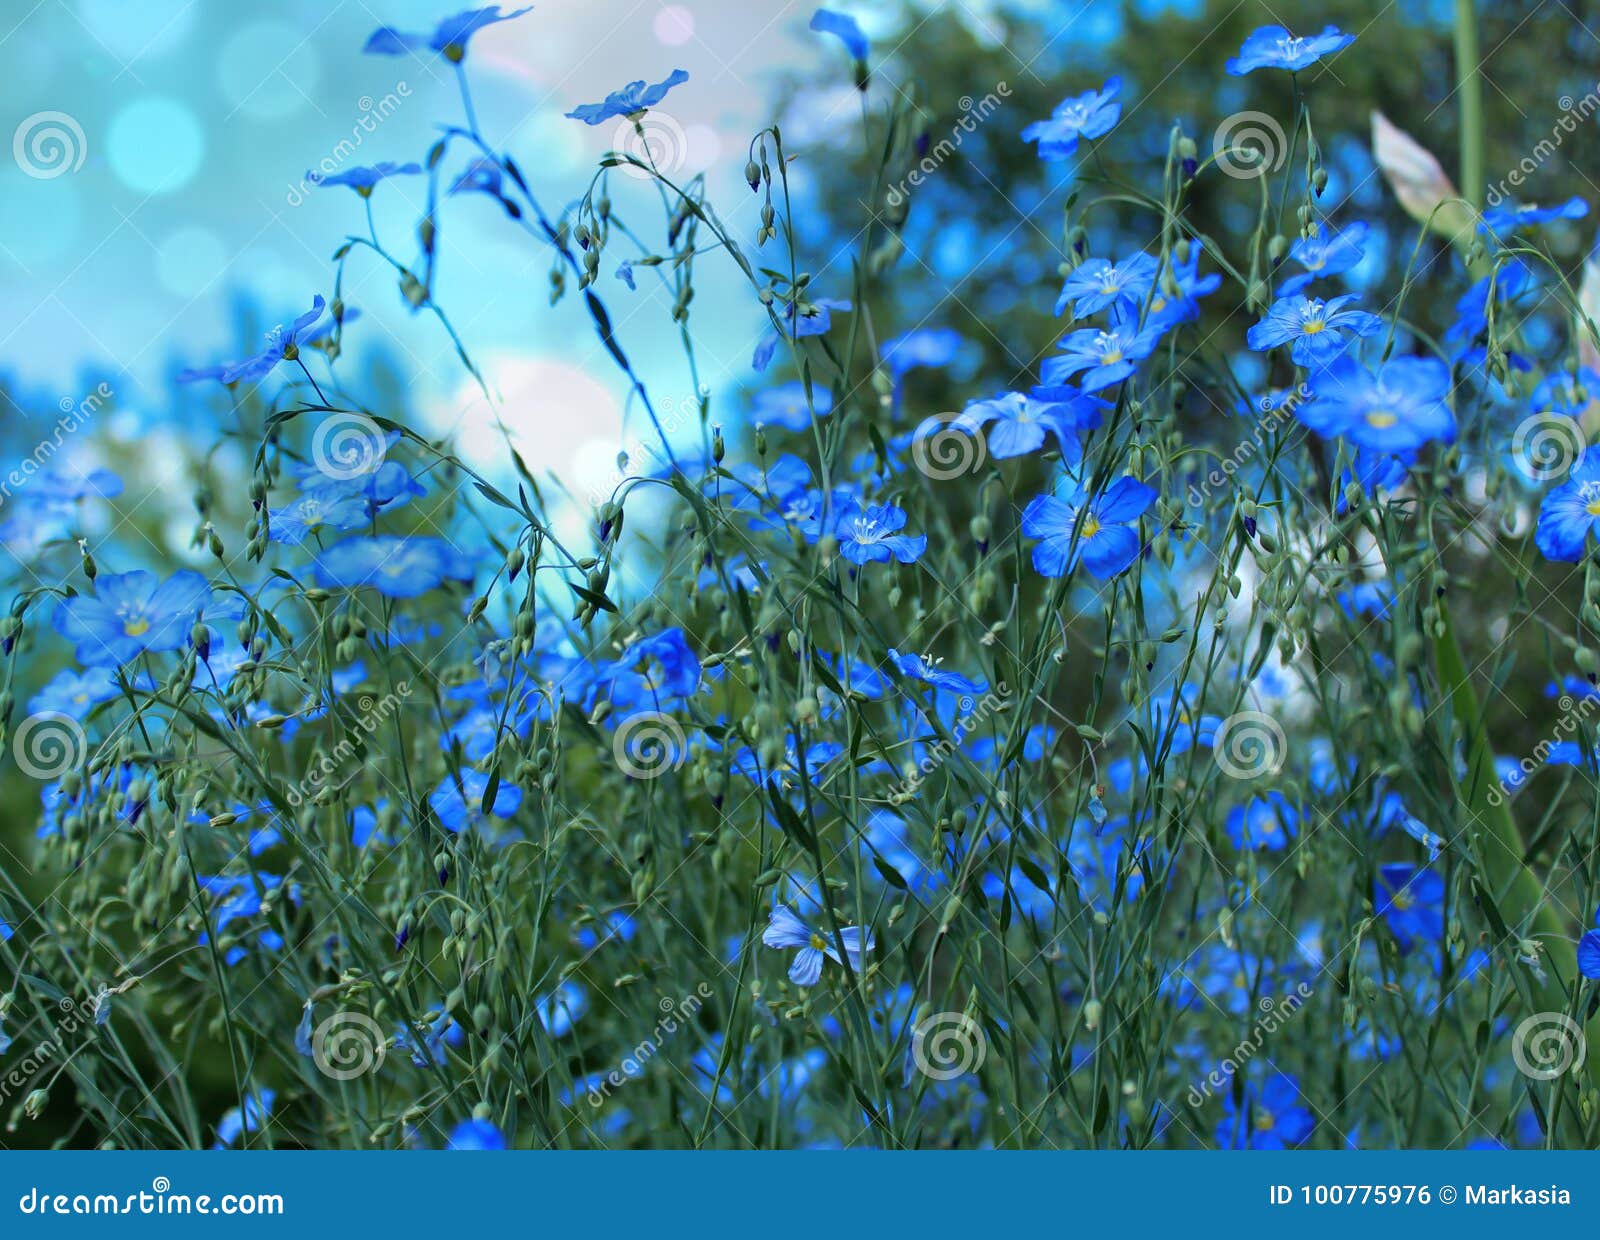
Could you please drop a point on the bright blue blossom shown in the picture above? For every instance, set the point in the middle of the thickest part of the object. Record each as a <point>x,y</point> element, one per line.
<point>923,346</point>
<point>1273,47</point>
<point>310,514</point>
<point>362,180</point>
<point>1399,408</point>
<point>1106,356</point>
<point>449,37</point>
<point>394,567</point>
<point>1317,328</point>
<point>842,27</point>
<point>475,1134</point>
<point>283,345</point>
<point>786,406</point>
<point>74,693</point>
<point>1271,1117</point>
<point>131,613</point>
<point>785,930</point>
<point>1094,529</point>
<point>459,805</point>
<point>560,1010</point>
<point>1265,822</point>
<point>1022,422</point>
<point>1176,297</point>
<point>1589,954</point>
<point>632,99</point>
<point>1330,252</point>
<point>1568,513</point>
<point>1099,283</point>
<point>1089,115</point>
<point>871,534</point>
<point>234,1124</point>
<point>1505,218</point>
<point>1411,901</point>
<point>919,667</point>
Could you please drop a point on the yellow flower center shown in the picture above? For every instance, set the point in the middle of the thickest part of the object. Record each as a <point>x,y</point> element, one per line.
<point>1312,326</point>
<point>1091,525</point>
<point>1265,1120</point>
<point>136,627</point>
<point>818,942</point>
<point>1593,508</point>
<point>1381,419</point>
<point>1111,357</point>
<point>1402,900</point>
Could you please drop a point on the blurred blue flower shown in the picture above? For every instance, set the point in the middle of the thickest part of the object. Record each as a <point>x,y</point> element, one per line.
<point>1089,115</point>
<point>633,98</point>
<point>1273,47</point>
<point>1399,408</point>
<point>842,27</point>
<point>475,1134</point>
<point>449,37</point>
<point>394,567</point>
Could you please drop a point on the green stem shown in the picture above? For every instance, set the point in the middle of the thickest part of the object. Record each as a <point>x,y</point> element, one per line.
<point>1469,86</point>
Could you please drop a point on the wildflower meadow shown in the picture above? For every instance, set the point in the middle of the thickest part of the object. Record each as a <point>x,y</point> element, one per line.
<point>1083,632</point>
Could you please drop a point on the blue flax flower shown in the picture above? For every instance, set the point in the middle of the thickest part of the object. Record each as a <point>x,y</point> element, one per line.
<point>1569,512</point>
<point>871,534</point>
<point>1316,328</point>
<point>475,1134</point>
<point>131,613</point>
<point>459,806</point>
<point>283,345</point>
<point>784,929</point>
<point>1106,356</point>
<point>1272,1116</point>
<point>362,180</point>
<point>449,37</point>
<point>1021,422</point>
<point>1099,282</point>
<point>920,667</point>
<point>1089,115</point>
<point>842,27</point>
<point>1267,822</point>
<point>786,406</point>
<point>632,99</point>
<point>1331,252</point>
<point>1273,47</point>
<point>1505,218</point>
<point>1177,294</point>
<point>394,567</point>
<point>1095,529</point>
<point>1411,901</point>
<point>234,1124</point>
<point>74,693</point>
<point>1399,408</point>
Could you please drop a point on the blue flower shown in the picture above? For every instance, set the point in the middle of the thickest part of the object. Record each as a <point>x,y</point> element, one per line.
<point>926,346</point>
<point>1107,356</point>
<point>1094,529</point>
<point>1506,218</point>
<point>1267,822</point>
<point>919,667</point>
<point>1569,512</point>
<point>234,1124</point>
<point>394,567</point>
<point>1411,901</point>
<point>813,318</point>
<point>786,406</point>
<point>1176,296</point>
<point>283,345</point>
<point>785,930</point>
<point>311,513</point>
<point>1328,253</point>
<point>74,693</point>
<point>1398,409</point>
<point>1271,1116</point>
<point>559,1011</point>
<point>131,613</point>
<point>1090,115</point>
<point>449,37</point>
<point>871,534</point>
<point>459,805</point>
<point>1316,328</point>
<point>1022,422</point>
<point>1589,954</point>
<point>362,180</point>
<point>1098,283</point>
<point>475,1134</point>
<point>842,27</point>
<point>632,99</point>
<point>1273,47</point>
